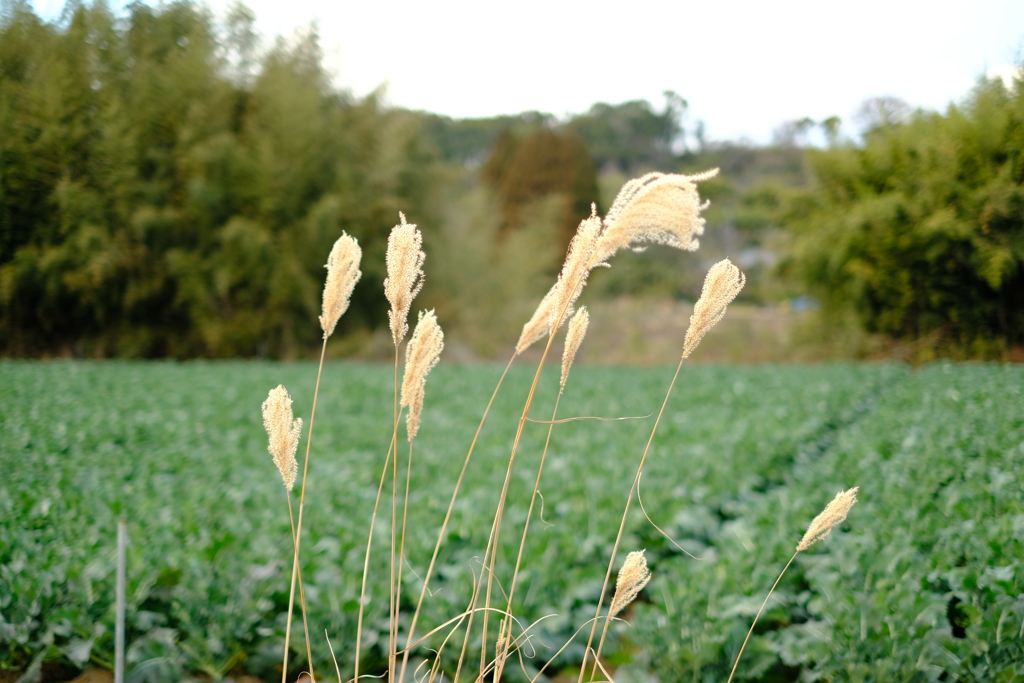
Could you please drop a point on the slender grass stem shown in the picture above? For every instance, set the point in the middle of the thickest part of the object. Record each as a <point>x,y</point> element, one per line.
<point>302,591</point>
<point>562,649</point>
<point>618,537</point>
<point>492,537</point>
<point>393,607</point>
<point>469,626</point>
<point>298,529</point>
<point>366,561</point>
<point>401,545</point>
<point>477,587</point>
<point>447,518</point>
<point>337,669</point>
<point>437,657</point>
<point>496,527</point>
<point>515,645</point>
<point>758,616</point>
<point>507,624</point>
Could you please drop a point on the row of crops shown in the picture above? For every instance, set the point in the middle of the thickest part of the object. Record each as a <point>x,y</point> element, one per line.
<point>923,582</point>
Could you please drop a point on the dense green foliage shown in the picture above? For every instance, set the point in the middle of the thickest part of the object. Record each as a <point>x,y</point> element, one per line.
<point>923,581</point>
<point>924,586</point>
<point>921,229</point>
<point>166,191</point>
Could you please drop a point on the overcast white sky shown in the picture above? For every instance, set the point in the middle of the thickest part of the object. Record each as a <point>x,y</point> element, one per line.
<point>744,67</point>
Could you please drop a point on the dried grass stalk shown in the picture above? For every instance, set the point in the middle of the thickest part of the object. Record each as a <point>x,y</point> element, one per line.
<point>575,269</point>
<point>404,259</point>
<point>633,576</point>
<point>723,282</point>
<point>573,338</point>
<point>342,275</point>
<point>833,515</point>
<point>421,355</point>
<point>283,432</point>
<point>658,208</point>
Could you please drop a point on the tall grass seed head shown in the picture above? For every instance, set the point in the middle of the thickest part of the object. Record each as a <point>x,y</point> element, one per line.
<point>833,515</point>
<point>633,576</point>
<point>723,282</point>
<point>283,432</point>
<point>536,328</point>
<point>575,269</point>
<point>342,275</point>
<point>404,260</point>
<point>421,355</point>
<point>573,338</point>
<point>657,208</point>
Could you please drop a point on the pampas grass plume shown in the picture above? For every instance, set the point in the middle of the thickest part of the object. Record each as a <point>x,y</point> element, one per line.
<point>723,282</point>
<point>659,208</point>
<point>536,328</point>
<point>342,275</point>
<point>283,433</point>
<point>833,515</point>
<point>421,355</point>
<point>633,576</point>
<point>404,259</point>
<point>575,269</point>
<point>573,338</point>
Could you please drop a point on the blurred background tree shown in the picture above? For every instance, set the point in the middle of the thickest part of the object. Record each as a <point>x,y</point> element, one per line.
<point>631,137</point>
<point>530,166</point>
<point>167,191</point>
<point>920,231</point>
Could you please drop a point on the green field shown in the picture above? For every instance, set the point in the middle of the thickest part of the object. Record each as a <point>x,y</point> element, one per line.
<point>924,581</point>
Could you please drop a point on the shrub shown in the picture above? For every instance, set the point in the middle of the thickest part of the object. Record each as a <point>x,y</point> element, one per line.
<point>920,231</point>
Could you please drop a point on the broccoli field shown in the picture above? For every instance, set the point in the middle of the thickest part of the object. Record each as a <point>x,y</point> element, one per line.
<point>924,581</point>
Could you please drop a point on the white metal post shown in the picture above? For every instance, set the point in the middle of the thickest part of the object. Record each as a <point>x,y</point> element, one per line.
<point>122,545</point>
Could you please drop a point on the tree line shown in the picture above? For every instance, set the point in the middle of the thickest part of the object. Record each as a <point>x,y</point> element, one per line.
<point>169,188</point>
